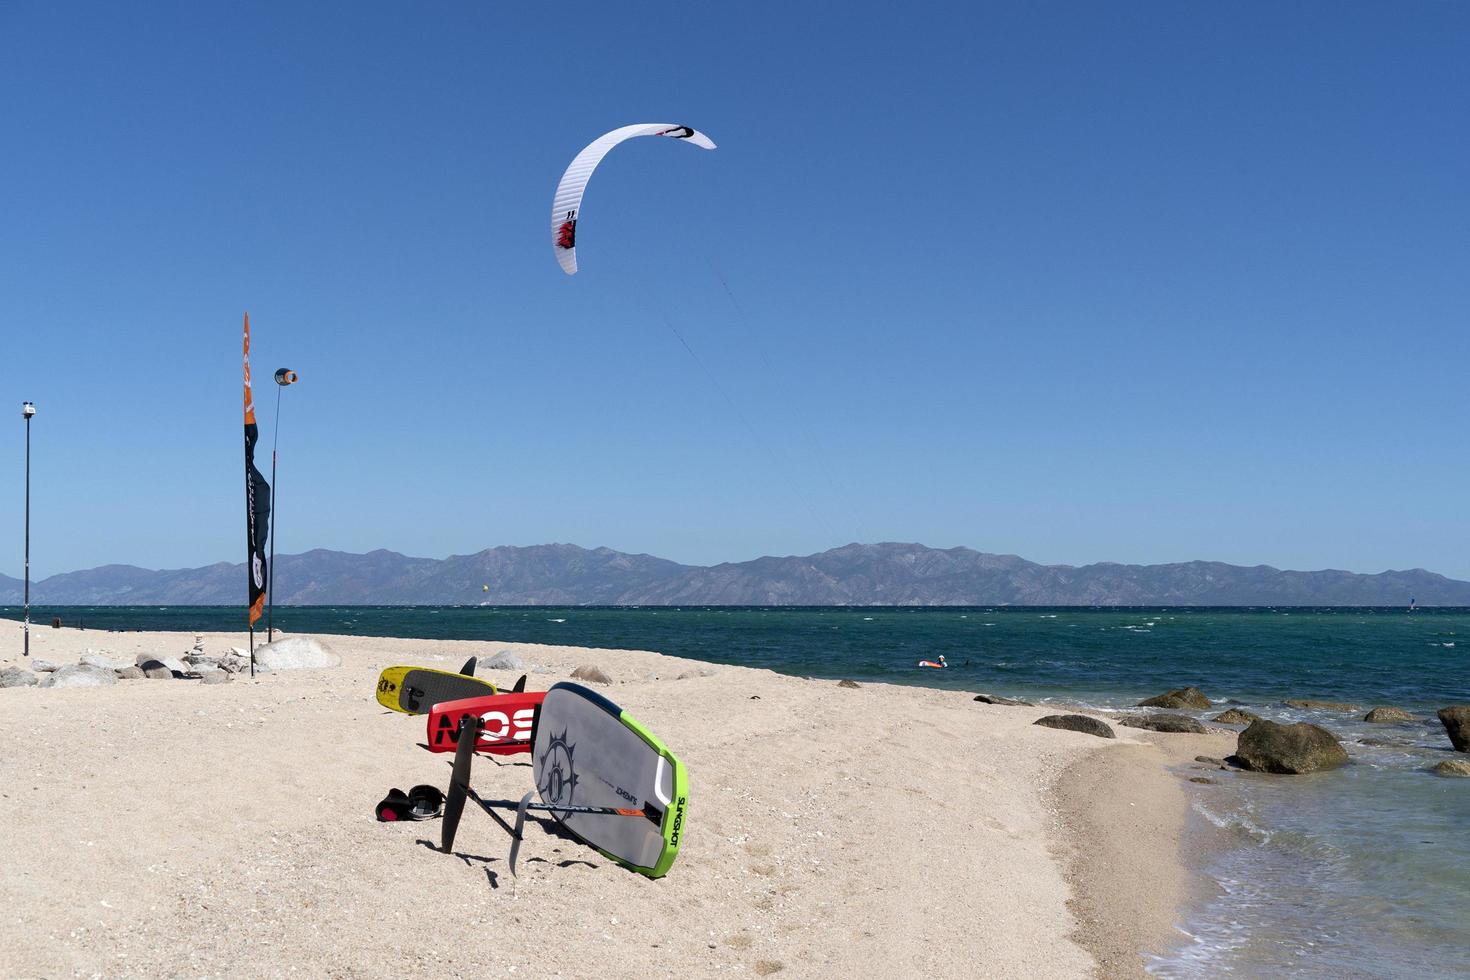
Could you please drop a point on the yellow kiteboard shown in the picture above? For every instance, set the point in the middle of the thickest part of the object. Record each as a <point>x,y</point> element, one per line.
<point>414,690</point>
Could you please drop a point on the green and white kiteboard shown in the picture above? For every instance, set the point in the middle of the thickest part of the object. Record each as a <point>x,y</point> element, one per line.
<point>588,753</point>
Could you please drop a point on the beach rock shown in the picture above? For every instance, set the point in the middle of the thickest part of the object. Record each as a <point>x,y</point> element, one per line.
<point>234,665</point>
<point>200,661</point>
<point>847,683</point>
<point>504,660</point>
<point>42,666</point>
<point>80,675</point>
<point>701,672</point>
<point>1311,705</point>
<point>591,674</point>
<point>1202,779</point>
<point>1183,697</point>
<point>1210,760</point>
<point>172,663</point>
<point>216,677</point>
<point>1381,715</point>
<point>130,673</point>
<point>15,677</point>
<point>105,659</point>
<point>1453,767</point>
<point>1456,721</point>
<point>295,653</point>
<point>1288,749</point>
<point>1078,723</point>
<point>156,670</point>
<point>1173,724</point>
<point>996,699</point>
<point>1235,716</point>
<point>1376,741</point>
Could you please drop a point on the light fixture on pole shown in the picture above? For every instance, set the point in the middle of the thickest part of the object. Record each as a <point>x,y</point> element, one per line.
<point>284,377</point>
<point>28,410</point>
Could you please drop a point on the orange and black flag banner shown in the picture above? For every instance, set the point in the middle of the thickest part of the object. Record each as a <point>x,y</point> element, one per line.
<point>257,500</point>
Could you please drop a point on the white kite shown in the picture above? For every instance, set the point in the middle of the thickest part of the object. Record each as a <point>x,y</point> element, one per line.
<point>568,201</point>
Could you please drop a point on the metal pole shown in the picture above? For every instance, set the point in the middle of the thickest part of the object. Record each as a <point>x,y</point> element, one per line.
<point>270,582</point>
<point>29,410</point>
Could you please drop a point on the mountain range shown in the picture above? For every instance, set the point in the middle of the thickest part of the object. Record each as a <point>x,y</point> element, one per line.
<point>856,574</point>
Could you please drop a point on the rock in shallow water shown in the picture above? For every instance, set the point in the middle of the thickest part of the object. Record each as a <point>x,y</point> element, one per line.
<point>1288,749</point>
<point>1456,721</point>
<point>1310,705</point>
<point>1453,767</point>
<point>1173,724</point>
<point>1183,697</point>
<point>1077,723</point>
<point>1381,715</point>
<point>996,699</point>
<point>1236,716</point>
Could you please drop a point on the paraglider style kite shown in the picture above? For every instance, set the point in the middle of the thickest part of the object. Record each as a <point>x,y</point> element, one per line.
<point>568,201</point>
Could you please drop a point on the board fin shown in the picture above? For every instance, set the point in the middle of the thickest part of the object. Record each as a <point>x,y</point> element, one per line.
<point>469,668</point>
<point>520,686</point>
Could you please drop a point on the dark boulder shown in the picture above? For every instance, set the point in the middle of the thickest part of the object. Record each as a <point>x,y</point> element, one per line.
<point>1174,724</point>
<point>1236,716</point>
<point>1288,749</point>
<point>1077,723</point>
<point>995,699</point>
<point>1179,699</point>
<point>1381,715</point>
<point>1456,721</point>
<point>1310,705</point>
<point>848,683</point>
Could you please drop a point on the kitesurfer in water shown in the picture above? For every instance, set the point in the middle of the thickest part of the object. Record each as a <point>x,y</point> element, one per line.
<point>930,663</point>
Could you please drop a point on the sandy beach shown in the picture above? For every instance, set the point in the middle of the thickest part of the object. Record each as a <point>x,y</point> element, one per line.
<point>169,827</point>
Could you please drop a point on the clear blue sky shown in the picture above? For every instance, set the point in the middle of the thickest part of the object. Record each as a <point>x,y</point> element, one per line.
<point>1132,281</point>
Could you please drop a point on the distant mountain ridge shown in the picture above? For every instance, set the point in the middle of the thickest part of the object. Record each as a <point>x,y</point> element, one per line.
<point>856,574</point>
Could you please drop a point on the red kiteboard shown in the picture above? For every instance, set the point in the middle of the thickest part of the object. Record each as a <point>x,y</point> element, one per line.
<point>507,722</point>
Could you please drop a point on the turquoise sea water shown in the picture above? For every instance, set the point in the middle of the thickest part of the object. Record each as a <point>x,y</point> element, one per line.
<point>1360,872</point>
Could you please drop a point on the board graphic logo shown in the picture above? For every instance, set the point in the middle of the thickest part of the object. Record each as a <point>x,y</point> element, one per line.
<point>516,727</point>
<point>678,133</point>
<point>558,775</point>
<point>566,235</point>
<point>678,821</point>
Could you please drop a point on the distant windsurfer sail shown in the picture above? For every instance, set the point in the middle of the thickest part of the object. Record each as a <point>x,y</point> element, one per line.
<point>257,508</point>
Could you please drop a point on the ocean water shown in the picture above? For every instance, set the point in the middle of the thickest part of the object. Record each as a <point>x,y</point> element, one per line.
<point>1361,872</point>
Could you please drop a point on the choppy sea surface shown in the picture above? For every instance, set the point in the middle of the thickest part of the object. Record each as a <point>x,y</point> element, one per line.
<point>1361,872</point>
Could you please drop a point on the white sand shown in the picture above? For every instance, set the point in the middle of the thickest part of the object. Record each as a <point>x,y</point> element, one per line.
<point>167,827</point>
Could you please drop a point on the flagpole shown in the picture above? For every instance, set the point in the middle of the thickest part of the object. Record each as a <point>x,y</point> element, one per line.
<point>270,586</point>
<point>28,410</point>
<point>283,377</point>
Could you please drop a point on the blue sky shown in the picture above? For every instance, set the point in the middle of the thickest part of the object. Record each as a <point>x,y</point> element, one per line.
<point>1137,282</point>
